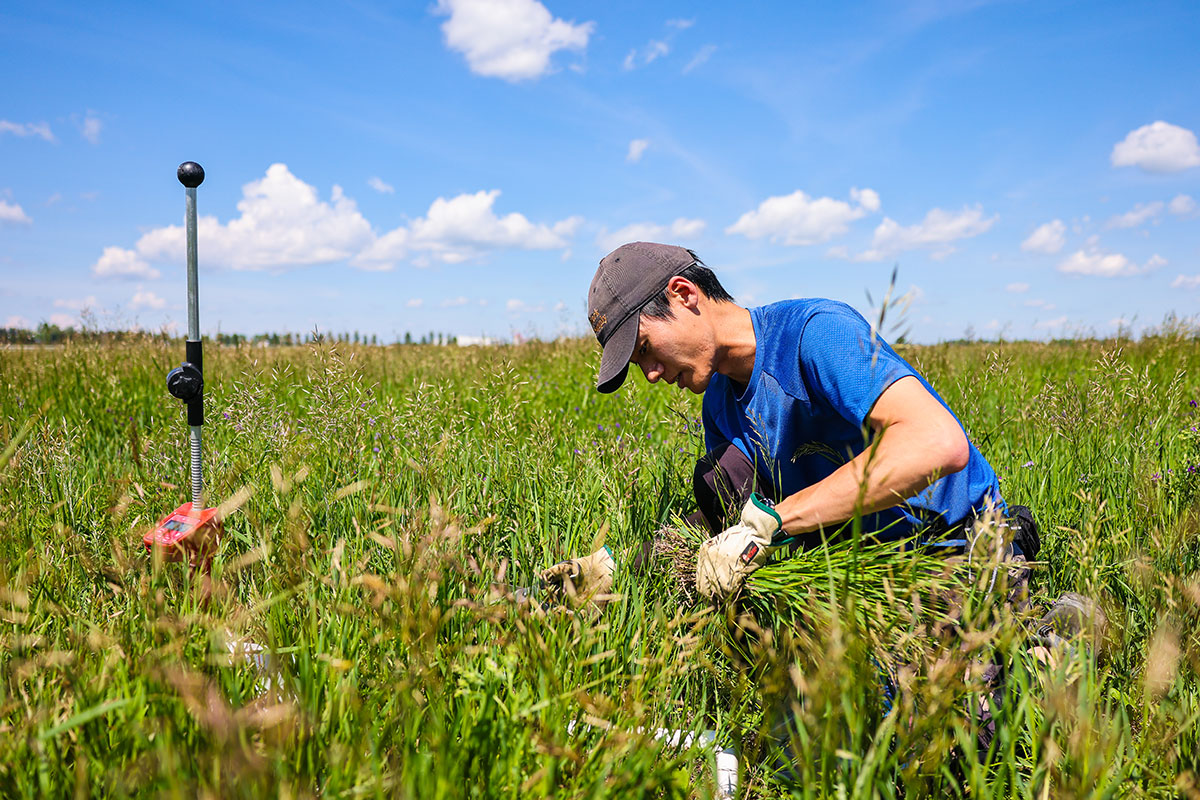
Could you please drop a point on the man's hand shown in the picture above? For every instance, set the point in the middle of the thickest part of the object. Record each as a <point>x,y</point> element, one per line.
<point>583,578</point>
<point>728,558</point>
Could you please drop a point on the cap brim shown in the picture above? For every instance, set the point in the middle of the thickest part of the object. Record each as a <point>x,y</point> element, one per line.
<point>614,364</point>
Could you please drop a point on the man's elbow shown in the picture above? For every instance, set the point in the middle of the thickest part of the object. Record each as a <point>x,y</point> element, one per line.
<point>955,451</point>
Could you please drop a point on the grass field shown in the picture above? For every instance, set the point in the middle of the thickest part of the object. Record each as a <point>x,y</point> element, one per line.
<point>384,500</point>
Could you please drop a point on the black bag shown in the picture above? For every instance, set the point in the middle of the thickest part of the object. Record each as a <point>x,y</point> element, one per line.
<point>1025,534</point>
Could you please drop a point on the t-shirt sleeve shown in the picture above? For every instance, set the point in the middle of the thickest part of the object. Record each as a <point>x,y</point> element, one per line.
<point>840,362</point>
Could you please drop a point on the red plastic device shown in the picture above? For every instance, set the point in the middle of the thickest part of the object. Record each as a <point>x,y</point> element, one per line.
<point>183,535</point>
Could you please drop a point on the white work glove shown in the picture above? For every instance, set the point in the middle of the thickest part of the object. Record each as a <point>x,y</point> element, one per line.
<point>582,578</point>
<point>727,559</point>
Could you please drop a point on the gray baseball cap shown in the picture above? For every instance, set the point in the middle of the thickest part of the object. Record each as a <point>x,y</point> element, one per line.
<point>628,278</point>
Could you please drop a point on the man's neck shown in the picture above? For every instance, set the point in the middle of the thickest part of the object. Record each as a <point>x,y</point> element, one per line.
<point>735,342</point>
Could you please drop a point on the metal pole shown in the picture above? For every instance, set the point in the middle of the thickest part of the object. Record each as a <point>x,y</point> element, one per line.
<point>193,292</point>
<point>191,175</point>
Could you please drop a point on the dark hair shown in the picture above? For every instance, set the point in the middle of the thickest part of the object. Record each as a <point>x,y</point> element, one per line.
<point>659,307</point>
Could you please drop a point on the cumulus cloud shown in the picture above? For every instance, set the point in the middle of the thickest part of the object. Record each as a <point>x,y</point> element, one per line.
<point>284,224</point>
<point>77,304</point>
<point>798,219</point>
<point>147,299</point>
<point>1158,147</point>
<point>17,321</point>
<point>1039,303</point>
<point>1181,282</point>
<point>117,262</point>
<point>1094,261</point>
<point>24,129</point>
<point>508,39</point>
<point>414,302</point>
<point>1048,238</point>
<point>520,306</point>
<point>12,212</point>
<point>636,148</point>
<point>377,183</point>
<point>1138,215</point>
<point>680,229</point>
<point>1017,287</point>
<point>454,302</point>
<point>464,227</point>
<point>1182,205</point>
<point>936,231</point>
<point>62,320</point>
<point>1057,322</point>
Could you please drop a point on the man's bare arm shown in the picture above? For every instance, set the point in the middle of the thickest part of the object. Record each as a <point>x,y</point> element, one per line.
<point>917,441</point>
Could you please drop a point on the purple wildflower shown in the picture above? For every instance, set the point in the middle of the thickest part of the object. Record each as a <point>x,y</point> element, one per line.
<point>1027,464</point>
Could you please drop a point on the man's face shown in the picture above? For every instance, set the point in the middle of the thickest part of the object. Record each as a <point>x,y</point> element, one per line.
<point>675,350</point>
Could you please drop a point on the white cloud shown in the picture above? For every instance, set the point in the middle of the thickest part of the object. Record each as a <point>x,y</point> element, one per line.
<point>797,219</point>
<point>681,228</point>
<point>1048,238</point>
<point>62,320</point>
<point>12,212</point>
<point>680,24</point>
<point>117,262</point>
<point>464,227</point>
<point>654,50</point>
<point>520,306</point>
<point>414,302</point>
<point>17,321</point>
<point>147,299</point>
<point>508,39</point>
<point>702,55</point>
<point>1057,322</point>
<point>1182,205</point>
<point>636,148</point>
<point>468,341</point>
<point>90,128</point>
<point>377,183</point>
<point>24,129</point>
<point>1138,215</point>
<point>454,302</point>
<point>1108,265</point>
<point>74,304</point>
<point>1017,287</point>
<point>1039,303</point>
<point>937,230</point>
<point>283,224</point>
<point>560,306</point>
<point>1181,282</point>
<point>1158,147</point>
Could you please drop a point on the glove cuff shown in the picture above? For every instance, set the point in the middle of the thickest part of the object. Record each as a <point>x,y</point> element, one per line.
<point>760,515</point>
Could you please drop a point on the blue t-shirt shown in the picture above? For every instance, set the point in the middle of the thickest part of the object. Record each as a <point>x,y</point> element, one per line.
<point>817,374</point>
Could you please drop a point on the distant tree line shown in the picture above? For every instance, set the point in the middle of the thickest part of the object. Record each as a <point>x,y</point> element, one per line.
<point>47,333</point>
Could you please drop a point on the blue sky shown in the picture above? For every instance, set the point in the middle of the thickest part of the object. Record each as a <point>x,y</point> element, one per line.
<point>1032,168</point>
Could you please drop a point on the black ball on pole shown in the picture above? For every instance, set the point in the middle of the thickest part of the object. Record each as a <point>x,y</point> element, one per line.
<point>191,174</point>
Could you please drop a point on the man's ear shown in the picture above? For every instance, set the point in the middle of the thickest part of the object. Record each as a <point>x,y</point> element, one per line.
<point>684,291</point>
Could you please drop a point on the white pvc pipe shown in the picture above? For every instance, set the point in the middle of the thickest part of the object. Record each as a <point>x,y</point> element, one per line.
<point>727,760</point>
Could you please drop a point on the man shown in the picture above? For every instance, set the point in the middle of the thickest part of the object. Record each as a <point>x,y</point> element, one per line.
<point>809,419</point>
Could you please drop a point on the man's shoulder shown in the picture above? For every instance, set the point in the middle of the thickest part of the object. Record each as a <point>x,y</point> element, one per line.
<point>784,323</point>
<point>807,307</point>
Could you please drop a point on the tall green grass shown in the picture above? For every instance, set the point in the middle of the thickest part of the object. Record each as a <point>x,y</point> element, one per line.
<point>384,502</point>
